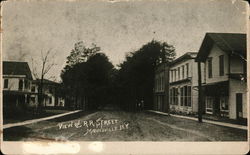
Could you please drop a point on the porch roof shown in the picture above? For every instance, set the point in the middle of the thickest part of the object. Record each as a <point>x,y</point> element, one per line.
<point>216,88</point>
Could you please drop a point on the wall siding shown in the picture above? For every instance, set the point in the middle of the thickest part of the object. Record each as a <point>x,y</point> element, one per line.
<point>214,54</point>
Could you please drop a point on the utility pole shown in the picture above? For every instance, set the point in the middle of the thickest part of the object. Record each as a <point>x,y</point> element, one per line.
<point>200,97</point>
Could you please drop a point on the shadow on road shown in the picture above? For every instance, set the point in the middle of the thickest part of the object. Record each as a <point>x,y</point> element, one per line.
<point>16,133</point>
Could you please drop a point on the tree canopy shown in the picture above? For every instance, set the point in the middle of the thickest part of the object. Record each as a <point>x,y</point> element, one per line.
<point>91,79</point>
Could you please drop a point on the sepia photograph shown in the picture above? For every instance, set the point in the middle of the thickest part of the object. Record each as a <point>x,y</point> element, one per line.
<point>101,71</point>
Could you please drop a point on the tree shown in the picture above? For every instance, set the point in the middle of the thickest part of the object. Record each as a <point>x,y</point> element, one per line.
<point>86,77</point>
<point>47,63</point>
<point>80,53</point>
<point>136,74</point>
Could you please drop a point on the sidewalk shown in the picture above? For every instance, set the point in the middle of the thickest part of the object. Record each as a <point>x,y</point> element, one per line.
<point>204,120</point>
<point>38,120</point>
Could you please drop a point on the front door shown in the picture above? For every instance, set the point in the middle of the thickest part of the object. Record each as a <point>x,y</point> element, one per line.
<point>239,113</point>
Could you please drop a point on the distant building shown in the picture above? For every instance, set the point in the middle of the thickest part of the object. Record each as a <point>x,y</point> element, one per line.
<point>183,81</point>
<point>17,79</point>
<point>225,87</point>
<point>52,96</point>
<point>161,88</point>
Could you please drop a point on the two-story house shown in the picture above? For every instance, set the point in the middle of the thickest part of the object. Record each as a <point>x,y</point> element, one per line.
<point>17,80</point>
<point>224,85</point>
<point>183,81</point>
<point>51,93</point>
<point>161,89</point>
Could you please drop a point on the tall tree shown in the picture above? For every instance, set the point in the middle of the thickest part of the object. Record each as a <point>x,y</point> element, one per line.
<point>86,77</point>
<point>46,62</point>
<point>80,53</point>
<point>136,74</point>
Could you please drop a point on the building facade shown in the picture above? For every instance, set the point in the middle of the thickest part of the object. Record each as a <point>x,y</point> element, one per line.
<point>51,93</point>
<point>161,98</point>
<point>183,81</point>
<point>17,80</point>
<point>224,84</point>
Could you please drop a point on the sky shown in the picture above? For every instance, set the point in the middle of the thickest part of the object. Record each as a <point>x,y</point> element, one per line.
<point>117,27</point>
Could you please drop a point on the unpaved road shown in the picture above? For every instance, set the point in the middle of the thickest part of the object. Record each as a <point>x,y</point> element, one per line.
<point>109,125</point>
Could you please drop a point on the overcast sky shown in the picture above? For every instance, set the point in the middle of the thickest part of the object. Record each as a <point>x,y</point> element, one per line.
<point>118,28</point>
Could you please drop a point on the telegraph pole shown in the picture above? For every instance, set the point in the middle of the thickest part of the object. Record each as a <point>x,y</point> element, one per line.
<point>200,97</point>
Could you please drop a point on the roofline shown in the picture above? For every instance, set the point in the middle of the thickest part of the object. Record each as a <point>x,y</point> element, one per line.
<point>185,56</point>
<point>208,42</point>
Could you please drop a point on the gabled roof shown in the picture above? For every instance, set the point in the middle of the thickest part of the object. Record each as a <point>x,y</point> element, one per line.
<point>188,55</point>
<point>232,43</point>
<point>16,68</point>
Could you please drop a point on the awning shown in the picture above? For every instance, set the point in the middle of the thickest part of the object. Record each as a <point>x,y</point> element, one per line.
<point>216,89</point>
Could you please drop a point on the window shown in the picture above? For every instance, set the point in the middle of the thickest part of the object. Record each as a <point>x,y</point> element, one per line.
<point>189,96</point>
<point>221,63</point>
<point>33,89</point>
<point>176,96</point>
<point>209,105</point>
<point>172,76</point>
<point>175,75</point>
<point>185,95</point>
<point>183,71</point>
<point>6,83</point>
<point>187,69</point>
<point>179,76</point>
<point>20,85</point>
<point>26,84</point>
<point>50,100</point>
<point>210,73</point>
<point>173,96</point>
<point>223,103</point>
<point>182,96</point>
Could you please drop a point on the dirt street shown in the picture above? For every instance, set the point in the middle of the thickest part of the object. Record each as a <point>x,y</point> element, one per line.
<point>109,125</point>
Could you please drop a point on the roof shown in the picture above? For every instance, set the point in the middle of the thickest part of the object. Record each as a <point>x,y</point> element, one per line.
<point>188,55</point>
<point>16,68</point>
<point>232,43</point>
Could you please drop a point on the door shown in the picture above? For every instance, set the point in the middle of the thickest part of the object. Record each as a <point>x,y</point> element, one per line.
<point>239,113</point>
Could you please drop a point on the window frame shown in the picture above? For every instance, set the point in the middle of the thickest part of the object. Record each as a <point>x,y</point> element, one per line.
<point>221,65</point>
<point>210,67</point>
<point>20,84</point>
<point>187,70</point>
<point>6,84</point>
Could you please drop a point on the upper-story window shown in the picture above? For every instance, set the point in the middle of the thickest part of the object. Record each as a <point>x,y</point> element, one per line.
<point>20,85</point>
<point>33,89</point>
<point>210,71</point>
<point>183,71</point>
<point>171,76</point>
<point>179,73</point>
<point>221,65</point>
<point>26,84</point>
<point>175,75</point>
<point>187,69</point>
<point>6,83</point>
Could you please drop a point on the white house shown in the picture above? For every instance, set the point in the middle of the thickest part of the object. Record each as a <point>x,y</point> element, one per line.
<point>183,81</point>
<point>51,92</point>
<point>17,80</point>
<point>224,85</point>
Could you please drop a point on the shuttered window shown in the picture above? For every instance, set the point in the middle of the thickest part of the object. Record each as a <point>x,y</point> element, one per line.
<point>221,65</point>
